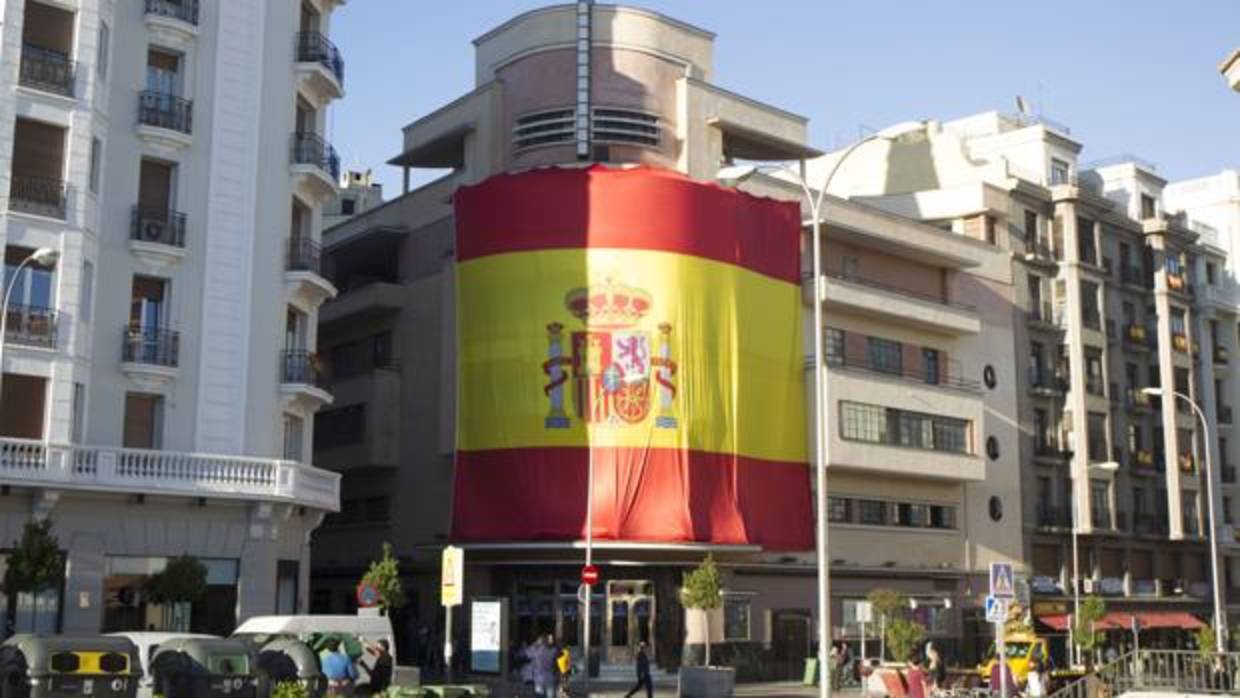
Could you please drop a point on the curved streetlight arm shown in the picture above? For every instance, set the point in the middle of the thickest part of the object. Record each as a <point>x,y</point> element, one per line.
<point>1220,619</point>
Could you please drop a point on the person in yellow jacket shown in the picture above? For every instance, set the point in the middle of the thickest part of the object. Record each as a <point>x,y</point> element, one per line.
<point>564,665</point>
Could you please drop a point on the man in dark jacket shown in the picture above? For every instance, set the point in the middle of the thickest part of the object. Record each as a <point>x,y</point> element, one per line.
<point>643,674</point>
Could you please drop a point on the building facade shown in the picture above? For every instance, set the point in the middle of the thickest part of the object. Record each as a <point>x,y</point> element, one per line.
<point>923,444</point>
<point>1115,295</point>
<point>159,378</point>
<point>359,192</point>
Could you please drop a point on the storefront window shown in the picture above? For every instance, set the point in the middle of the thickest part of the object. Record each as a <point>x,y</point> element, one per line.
<point>736,616</point>
<point>126,607</point>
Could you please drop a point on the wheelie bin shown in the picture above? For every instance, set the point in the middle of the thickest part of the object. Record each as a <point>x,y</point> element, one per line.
<point>61,666</point>
<point>285,660</point>
<point>192,667</point>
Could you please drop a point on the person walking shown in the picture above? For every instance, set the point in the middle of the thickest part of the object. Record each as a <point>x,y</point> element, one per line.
<point>1001,673</point>
<point>834,659</point>
<point>564,669</point>
<point>1035,684</point>
<point>916,678</point>
<point>937,669</point>
<point>338,669</point>
<point>544,668</point>
<point>381,672</point>
<point>643,674</point>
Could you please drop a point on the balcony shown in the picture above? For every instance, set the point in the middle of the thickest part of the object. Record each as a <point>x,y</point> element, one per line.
<point>920,310</point>
<point>1149,525</point>
<point>1094,385</point>
<point>1091,319</point>
<point>303,276</point>
<point>47,71</point>
<point>374,299</point>
<point>165,121</point>
<point>302,379</point>
<point>1048,450</point>
<point>1133,276</point>
<point>1135,400</point>
<point>132,471</point>
<point>150,355</point>
<point>1054,517</point>
<point>1228,473</point>
<point>1224,414</point>
<point>1136,336</point>
<point>1042,316</point>
<point>38,196</point>
<point>320,68</point>
<point>1221,354</point>
<point>1179,342</point>
<point>31,326</point>
<point>1043,382</point>
<point>1144,461</point>
<point>1177,282</point>
<point>1039,251</point>
<point>864,365</point>
<point>157,236</point>
<point>1186,463</point>
<point>315,165</point>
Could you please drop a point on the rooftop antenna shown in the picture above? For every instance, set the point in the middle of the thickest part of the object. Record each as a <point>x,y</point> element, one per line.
<point>1022,109</point>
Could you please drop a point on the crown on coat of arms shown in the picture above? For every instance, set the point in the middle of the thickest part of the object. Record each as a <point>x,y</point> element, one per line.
<point>608,305</point>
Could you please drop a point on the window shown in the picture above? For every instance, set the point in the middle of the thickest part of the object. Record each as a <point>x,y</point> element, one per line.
<point>992,234</point>
<point>1031,225</point>
<point>1136,438</point>
<point>1041,429</point>
<point>1036,369</point>
<point>885,355</point>
<point>1211,274</point>
<point>294,429</point>
<point>736,617</point>
<point>87,296</point>
<point>1094,380</point>
<point>1148,209</point>
<point>839,510</point>
<point>834,346</point>
<point>163,72</point>
<point>1227,516</point>
<point>101,53</point>
<point>1090,315</point>
<point>96,153</point>
<point>1097,437</point>
<point>930,364</point>
<point>1100,502</point>
<point>347,207</point>
<point>78,425</point>
<point>1059,171</point>
<point>872,512</point>
<point>288,578</point>
<point>147,303</point>
<point>340,426</point>
<point>1138,503</point>
<point>911,515</point>
<point>34,284</point>
<point>144,421</point>
<point>1192,522</point>
<point>876,424</point>
<point>943,517</point>
<point>1086,245</point>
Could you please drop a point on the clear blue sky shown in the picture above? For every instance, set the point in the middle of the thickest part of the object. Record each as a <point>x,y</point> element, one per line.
<point>1137,76</point>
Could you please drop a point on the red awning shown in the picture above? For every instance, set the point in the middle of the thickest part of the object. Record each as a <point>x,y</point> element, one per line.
<point>1151,620</point>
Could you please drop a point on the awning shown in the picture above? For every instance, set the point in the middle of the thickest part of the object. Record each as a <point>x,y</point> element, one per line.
<point>1149,620</point>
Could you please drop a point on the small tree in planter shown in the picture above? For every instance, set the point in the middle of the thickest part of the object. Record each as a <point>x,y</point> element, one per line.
<point>701,591</point>
<point>901,634</point>
<point>35,565</point>
<point>1093,609</point>
<point>384,575</point>
<point>182,582</point>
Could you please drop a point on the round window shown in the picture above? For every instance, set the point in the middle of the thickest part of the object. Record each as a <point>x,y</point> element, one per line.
<point>996,508</point>
<point>992,448</point>
<point>988,375</point>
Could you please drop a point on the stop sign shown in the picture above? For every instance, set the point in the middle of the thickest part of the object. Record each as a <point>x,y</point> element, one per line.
<point>589,575</point>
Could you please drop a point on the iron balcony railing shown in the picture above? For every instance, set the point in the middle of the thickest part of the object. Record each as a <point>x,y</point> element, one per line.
<point>41,196</point>
<point>184,10</point>
<point>1149,524</point>
<point>155,346</point>
<point>1042,379</point>
<point>1054,517</point>
<point>301,366</point>
<point>304,254</point>
<point>157,225</point>
<point>46,70</point>
<point>164,110</point>
<point>311,149</point>
<point>1094,385</point>
<point>1049,449</point>
<point>924,377</point>
<point>881,286</point>
<point>31,325</point>
<point>313,47</point>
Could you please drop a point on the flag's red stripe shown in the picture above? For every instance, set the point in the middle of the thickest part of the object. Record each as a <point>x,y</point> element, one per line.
<point>639,208</point>
<point>640,494</point>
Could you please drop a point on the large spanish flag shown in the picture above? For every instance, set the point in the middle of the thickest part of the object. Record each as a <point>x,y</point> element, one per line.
<point>641,322</point>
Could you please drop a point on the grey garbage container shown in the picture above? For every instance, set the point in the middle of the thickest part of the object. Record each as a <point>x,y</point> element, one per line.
<point>44,666</point>
<point>284,660</point>
<point>204,668</point>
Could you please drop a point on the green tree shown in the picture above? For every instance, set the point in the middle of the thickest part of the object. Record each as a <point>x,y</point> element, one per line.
<point>384,575</point>
<point>701,591</point>
<point>290,689</point>
<point>1206,644</point>
<point>1093,609</point>
<point>901,634</point>
<point>36,563</point>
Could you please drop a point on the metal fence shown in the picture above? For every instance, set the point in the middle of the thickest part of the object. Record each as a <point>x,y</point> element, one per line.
<point>1174,671</point>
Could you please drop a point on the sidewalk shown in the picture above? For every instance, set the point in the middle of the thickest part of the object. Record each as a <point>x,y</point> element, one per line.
<point>764,690</point>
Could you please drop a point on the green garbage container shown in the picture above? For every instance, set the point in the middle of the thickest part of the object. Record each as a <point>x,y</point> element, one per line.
<point>811,672</point>
<point>44,666</point>
<point>204,668</point>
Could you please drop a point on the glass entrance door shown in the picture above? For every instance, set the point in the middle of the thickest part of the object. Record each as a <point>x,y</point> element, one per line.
<point>630,619</point>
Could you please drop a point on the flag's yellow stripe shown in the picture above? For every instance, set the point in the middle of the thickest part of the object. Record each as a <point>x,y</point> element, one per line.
<point>736,340</point>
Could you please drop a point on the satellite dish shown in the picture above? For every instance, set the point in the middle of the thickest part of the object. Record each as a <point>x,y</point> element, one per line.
<point>1022,106</point>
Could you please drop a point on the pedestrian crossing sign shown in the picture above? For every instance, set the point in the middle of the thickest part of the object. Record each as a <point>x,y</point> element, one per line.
<point>996,610</point>
<point>1002,580</point>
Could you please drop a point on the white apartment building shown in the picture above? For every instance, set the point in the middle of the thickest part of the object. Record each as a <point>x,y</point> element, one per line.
<point>159,379</point>
<point>359,192</point>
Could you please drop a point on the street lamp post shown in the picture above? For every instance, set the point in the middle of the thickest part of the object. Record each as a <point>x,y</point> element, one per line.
<point>1107,467</point>
<point>44,257</point>
<point>1220,619</point>
<point>734,175</point>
